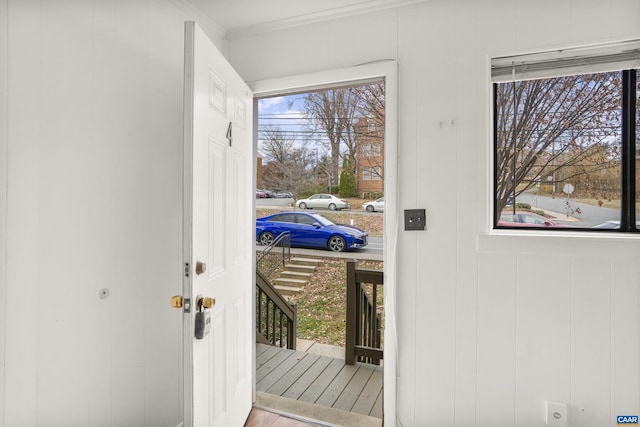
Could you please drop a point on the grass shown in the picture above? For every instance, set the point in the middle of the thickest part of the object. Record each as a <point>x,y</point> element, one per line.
<point>322,306</point>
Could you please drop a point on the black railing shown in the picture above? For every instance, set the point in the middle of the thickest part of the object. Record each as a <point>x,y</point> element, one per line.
<point>275,317</point>
<point>364,321</point>
<point>275,255</point>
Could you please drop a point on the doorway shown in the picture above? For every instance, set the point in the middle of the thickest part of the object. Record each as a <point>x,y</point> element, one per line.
<point>385,71</point>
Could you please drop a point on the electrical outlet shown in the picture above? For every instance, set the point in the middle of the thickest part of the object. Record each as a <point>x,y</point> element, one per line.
<point>557,414</point>
<point>415,219</point>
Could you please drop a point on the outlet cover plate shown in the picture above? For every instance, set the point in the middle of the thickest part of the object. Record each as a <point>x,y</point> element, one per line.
<point>557,414</point>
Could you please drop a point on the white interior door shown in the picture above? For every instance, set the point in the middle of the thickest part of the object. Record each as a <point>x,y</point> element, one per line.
<point>218,241</point>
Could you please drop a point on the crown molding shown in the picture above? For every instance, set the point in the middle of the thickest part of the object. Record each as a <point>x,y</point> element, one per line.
<point>321,16</point>
<point>208,24</point>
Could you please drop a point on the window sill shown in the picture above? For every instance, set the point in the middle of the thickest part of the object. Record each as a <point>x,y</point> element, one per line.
<point>563,243</point>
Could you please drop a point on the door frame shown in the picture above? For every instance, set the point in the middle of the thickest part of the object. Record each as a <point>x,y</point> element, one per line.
<point>387,70</point>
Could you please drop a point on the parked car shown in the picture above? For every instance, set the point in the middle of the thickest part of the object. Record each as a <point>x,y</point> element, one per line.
<point>284,195</point>
<point>323,201</point>
<point>526,219</point>
<point>310,230</point>
<point>612,225</point>
<point>260,194</point>
<point>374,206</point>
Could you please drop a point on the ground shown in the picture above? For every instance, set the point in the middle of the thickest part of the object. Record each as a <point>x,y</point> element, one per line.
<point>322,306</point>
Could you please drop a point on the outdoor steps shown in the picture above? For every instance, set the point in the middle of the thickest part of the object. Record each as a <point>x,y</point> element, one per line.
<point>295,275</point>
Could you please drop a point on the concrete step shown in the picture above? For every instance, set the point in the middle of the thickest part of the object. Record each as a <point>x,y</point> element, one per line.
<point>305,261</point>
<point>288,290</point>
<point>300,268</point>
<point>290,282</point>
<point>288,274</point>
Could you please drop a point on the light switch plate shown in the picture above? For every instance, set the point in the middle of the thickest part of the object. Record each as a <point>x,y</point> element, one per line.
<point>415,219</point>
<point>557,414</point>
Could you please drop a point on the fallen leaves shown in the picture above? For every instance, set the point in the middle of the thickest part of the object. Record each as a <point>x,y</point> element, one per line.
<point>322,306</point>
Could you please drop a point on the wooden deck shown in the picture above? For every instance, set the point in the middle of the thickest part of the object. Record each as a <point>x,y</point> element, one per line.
<point>319,380</point>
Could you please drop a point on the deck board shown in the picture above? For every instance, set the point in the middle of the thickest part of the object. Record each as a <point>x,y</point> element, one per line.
<point>354,388</point>
<point>293,375</point>
<point>283,362</point>
<point>315,390</point>
<point>369,396</point>
<point>308,378</point>
<point>319,380</point>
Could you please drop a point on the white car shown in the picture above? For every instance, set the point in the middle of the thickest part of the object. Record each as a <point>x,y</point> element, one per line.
<point>374,206</point>
<point>323,201</point>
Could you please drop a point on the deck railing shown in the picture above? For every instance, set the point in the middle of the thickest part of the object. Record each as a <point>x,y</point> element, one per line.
<point>275,255</point>
<point>364,321</point>
<point>276,318</point>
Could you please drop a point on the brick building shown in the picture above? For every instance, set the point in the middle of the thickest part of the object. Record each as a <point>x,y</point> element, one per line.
<point>369,158</point>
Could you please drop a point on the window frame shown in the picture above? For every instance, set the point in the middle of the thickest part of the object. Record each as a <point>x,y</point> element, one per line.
<point>628,131</point>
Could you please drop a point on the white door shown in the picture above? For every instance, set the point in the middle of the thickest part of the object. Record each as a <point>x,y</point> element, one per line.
<point>218,234</point>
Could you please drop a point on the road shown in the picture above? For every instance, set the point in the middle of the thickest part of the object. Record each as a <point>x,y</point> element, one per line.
<point>373,251</point>
<point>583,215</point>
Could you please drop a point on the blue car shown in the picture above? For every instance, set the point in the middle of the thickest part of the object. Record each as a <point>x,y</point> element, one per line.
<point>309,230</point>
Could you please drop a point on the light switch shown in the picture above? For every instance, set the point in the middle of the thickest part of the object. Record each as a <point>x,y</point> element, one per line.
<point>557,414</point>
<point>415,219</point>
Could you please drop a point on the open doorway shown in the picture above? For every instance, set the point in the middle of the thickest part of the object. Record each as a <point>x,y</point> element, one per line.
<point>367,150</point>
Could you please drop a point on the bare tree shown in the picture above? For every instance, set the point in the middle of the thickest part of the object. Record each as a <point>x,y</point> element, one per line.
<point>542,126</point>
<point>288,163</point>
<point>335,112</point>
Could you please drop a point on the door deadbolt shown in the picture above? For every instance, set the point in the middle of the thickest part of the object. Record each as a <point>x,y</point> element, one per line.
<point>201,267</point>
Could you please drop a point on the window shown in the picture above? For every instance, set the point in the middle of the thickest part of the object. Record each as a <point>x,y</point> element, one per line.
<point>376,150</point>
<point>283,218</point>
<point>366,150</point>
<point>566,139</point>
<point>376,173</point>
<point>366,174</point>
<point>307,220</point>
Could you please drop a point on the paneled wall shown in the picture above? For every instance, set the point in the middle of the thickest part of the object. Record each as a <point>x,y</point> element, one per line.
<point>91,125</point>
<point>489,326</point>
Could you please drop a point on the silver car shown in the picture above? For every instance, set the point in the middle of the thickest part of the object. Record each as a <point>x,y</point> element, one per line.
<point>374,206</point>
<point>323,201</point>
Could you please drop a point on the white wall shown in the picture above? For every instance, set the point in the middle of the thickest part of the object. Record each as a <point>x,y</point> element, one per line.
<point>3,190</point>
<point>90,148</point>
<point>490,326</point>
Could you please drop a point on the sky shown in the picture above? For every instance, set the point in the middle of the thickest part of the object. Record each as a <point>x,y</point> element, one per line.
<point>285,113</point>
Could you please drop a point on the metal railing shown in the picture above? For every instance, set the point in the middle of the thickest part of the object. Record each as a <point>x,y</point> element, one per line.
<point>276,318</point>
<point>275,255</point>
<point>364,322</point>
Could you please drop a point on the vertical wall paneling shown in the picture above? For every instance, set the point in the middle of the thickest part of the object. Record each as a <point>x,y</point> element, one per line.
<point>625,338</point>
<point>497,340</point>
<point>4,103</point>
<point>437,246</point>
<point>406,301</point>
<point>591,341</point>
<point>543,330</point>
<point>466,158</point>
<point>24,67</point>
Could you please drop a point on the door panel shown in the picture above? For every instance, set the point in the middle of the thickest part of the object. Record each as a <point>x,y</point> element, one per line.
<point>217,243</point>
